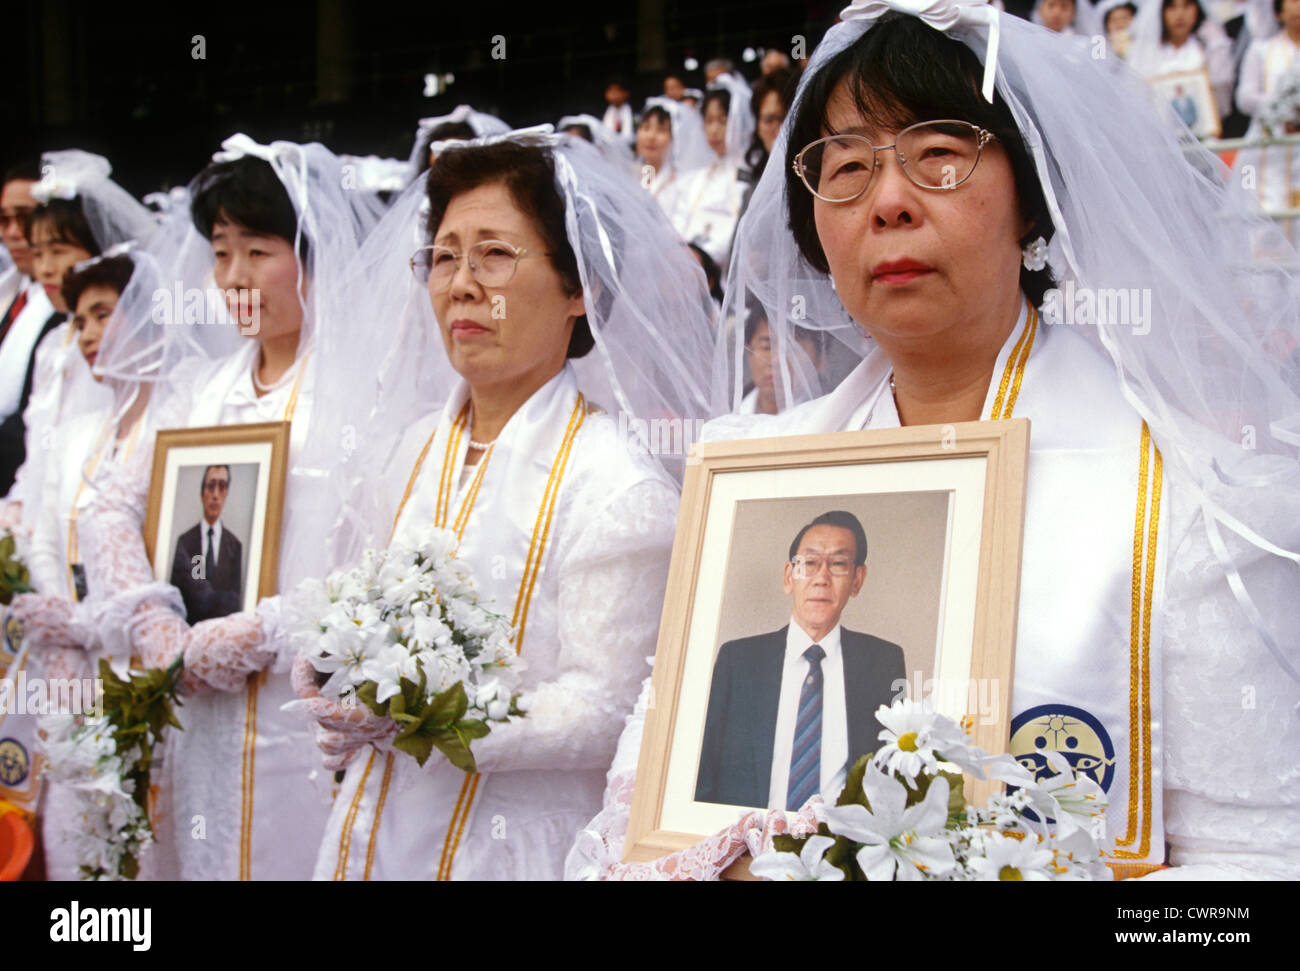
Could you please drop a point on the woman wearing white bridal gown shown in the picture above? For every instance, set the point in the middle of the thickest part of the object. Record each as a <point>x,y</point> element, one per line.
<point>279,232</point>
<point>1158,570</point>
<point>535,460</point>
<point>704,205</point>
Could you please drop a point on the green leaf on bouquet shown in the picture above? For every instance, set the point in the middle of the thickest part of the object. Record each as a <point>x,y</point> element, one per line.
<point>842,856</point>
<point>367,695</point>
<point>14,576</point>
<point>455,747</point>
<point>785,843</point>
<point>852,793</point>
<point>417,746</point>
<point>450,705</point>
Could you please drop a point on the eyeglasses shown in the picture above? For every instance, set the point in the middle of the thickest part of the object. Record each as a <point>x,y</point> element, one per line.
<point>933,154</point>
<point>810,566</point>
<point>20,216</point>
<point>216,485</point>
<point>491,262</point>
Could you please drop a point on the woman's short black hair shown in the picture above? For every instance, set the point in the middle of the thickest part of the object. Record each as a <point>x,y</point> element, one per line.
<point>247,192</point>
<point>659,114</point>
<point>113,272</point>
<point>448,130</point>
<point>579,130</point>
<point>901,72</point>
<point>780,82</point>
<point>721,95</point>
<point>67,222</point>
<point>1277,8</point>
<point>25,170</point>
<point>712,272</point>
<point>1131,8</point>
<point>1200,16</point>
<point>528,174</point>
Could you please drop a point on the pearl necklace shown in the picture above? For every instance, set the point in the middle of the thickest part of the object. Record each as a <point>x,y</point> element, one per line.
<point>480,446</point>
<point>264,388</point>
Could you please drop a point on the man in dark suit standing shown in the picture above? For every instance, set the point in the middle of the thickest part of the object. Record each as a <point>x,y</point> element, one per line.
<point>789,711</point>
<point>207,566</point>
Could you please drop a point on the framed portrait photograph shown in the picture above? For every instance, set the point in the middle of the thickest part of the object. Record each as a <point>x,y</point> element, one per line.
<point>815,578</point>
<point>215,506</point>
<point>1192,98</point>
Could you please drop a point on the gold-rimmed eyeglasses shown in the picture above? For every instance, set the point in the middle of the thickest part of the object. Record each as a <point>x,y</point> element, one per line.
<point>492,262</point>
<point>937,155</point>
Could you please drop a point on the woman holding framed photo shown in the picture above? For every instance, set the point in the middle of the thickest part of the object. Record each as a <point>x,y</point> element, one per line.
<point>987,262</point>
<point>275,230</point>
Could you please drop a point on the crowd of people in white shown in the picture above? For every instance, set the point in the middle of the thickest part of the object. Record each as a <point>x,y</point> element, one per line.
<point>866,240</point>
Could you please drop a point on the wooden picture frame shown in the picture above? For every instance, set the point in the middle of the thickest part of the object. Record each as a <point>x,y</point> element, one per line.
<point>1191,96</point>
<point>247,556</point>
<point>741,498</point>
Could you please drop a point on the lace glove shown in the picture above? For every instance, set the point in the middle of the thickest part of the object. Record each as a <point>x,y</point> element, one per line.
<point>51,622</point>
<point>222,653</point>
<point>64,664</point>
<point>709,858</point>
<point>341,729</point>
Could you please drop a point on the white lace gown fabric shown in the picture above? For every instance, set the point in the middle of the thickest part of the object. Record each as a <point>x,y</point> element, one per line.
<point>593,618</point>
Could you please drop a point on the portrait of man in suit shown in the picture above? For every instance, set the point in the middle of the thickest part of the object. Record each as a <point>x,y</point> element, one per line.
<point>207,567</point>
<point>790,710</point>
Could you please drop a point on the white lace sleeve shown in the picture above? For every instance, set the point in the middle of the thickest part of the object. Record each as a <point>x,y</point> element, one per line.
<point>1232,721</point>
<point>42,549</point>
<point>611,583</point>
<point>599,845</point>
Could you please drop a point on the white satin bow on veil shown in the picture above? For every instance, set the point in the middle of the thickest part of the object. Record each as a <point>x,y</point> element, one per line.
<point>942,15</point>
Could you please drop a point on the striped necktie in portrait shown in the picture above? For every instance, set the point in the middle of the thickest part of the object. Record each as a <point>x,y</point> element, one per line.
<point>806,754</point>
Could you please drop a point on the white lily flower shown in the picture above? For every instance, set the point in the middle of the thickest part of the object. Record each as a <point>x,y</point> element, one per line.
<point>1008,858</point>
<point>901,841</point>
<point>809,864</point>
<point>1071,799</point>
<point>387,668</point>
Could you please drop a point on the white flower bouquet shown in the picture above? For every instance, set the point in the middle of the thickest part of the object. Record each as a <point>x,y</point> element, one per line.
<point>405,635</point>
<point>1281,116</point>
<point>105,755</point>
<point>902,815</point>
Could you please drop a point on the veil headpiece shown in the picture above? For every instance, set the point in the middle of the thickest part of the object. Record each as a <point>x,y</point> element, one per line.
<point>113,213</point>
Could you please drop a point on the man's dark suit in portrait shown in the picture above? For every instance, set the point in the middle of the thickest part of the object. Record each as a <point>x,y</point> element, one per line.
<point>217,591</point>
<point>790,710</point>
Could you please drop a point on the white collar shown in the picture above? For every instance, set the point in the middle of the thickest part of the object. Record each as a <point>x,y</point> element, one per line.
<point>797,641</point>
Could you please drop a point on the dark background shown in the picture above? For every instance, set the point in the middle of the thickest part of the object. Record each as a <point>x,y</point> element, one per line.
<point>120,79</point>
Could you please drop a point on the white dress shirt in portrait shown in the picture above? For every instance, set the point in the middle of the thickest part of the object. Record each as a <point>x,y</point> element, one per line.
<point>216,539</point>
<point>835,718</point>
